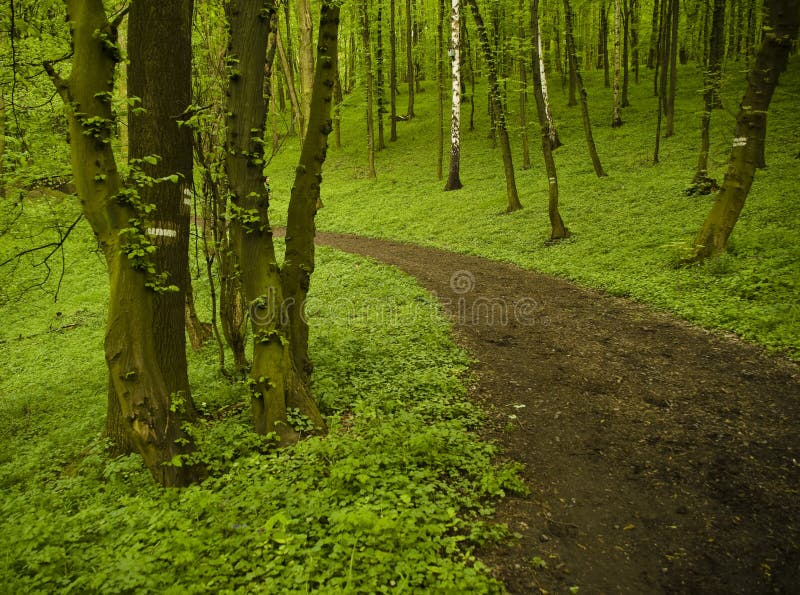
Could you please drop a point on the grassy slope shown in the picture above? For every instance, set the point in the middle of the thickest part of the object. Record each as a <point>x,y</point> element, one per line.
<point>628,229</point>
<point>392,498</point>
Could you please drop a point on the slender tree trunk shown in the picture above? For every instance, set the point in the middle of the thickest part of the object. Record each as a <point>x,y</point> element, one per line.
<point>552,134</point>
<point>379,90</point>
<point>145,412</point>
<point>663,60</point>
<point>652,54</point>
<point>673,69</point>
<point>498,111</point>
<point>770,62</point>
<point>306,55</point>
<point>290,86</point>
<point>702,183</point>
<point>440,91</point>
<point>2,144</point>
<point>337,111</point>
<point>604,45</point>
<point>557,228</point>
<point>626,20</point>
<point>393,71</point>
<point>409,60</point>
<point>365,36</point>
<point>299,262</point>
<point>454,178</point>
<point>616,118</point>
<point>573,64</point>
<point>634,10</point>
<point>523,93</point>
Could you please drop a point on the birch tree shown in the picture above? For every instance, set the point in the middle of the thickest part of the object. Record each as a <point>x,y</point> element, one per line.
<point>454,177</point>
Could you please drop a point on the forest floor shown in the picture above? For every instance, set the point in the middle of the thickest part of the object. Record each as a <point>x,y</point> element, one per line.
<point>660,457</point>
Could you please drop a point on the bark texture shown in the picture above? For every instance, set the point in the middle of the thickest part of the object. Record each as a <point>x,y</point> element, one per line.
<point>454,172</point>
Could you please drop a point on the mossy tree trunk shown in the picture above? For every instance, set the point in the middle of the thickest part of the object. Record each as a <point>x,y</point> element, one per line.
<point>299,257</point>
<point>306,53</point>
<point>498,110</point>
<point>771,60</point>
<point>281,368</point>
<point>454,172</point>
<point>573,65</point>
<point>151,418</point>
<point>558,230</point>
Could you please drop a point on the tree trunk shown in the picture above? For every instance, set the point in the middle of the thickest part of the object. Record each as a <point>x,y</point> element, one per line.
<point>770,62</point>
<point>552,133</point>
<point>634,11</point>
<point>652,54</point>
<point>272,375</point>
<point>673,69</point>
<point>393,71</point>
<point>604,45</point>
<point>616,118</point>
<point>440,91</point>
<point>150,417</point>
<point>290,86</point>
<point>199,331</point>
<point>2,144</point>
<point>298,264</point>
<point>557,228</point>
<point>368,88</point>
<point>409,60</point>
<point>573,64</point>
<point>702,183</point>
<point>337,111</point>
<point>379,90</point>
<point>626,20</point>
<point>498,111</point>
<point>662,67</point>
<point>454,175</point>
<point>306,56</point>
<point>523,99</point>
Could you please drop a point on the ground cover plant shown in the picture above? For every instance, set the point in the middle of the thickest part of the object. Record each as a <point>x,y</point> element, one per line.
<point>395,497</point>
<point>629,230</point>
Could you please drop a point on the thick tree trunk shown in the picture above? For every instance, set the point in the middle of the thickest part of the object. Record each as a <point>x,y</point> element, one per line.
<point>393,72</point>
<point>498,111</point>
<point>409,60</point>
<point>164,88</point>
<point>573,64</point>
<point>368,88</point>
<point>557,228</point>
<point>616,118</point>
<point>762,79</point>
<point>272,375</point>
<point>702,183</point>
<point>454,175</point>
<point>150,417</point>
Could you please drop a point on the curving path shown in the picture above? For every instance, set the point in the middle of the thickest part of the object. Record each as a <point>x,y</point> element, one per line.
<point>660,457</point>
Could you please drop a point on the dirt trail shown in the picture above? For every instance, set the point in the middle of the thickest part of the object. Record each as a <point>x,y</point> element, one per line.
<point>660,457</point>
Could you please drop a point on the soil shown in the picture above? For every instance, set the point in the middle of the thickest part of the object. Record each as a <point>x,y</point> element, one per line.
<point>660,457</point>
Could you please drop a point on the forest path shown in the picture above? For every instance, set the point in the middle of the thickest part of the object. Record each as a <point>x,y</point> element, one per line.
<point>659,457</point>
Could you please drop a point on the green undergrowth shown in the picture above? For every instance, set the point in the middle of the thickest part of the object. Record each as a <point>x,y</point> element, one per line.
<point>393,499</point>
<point>629,230</point>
